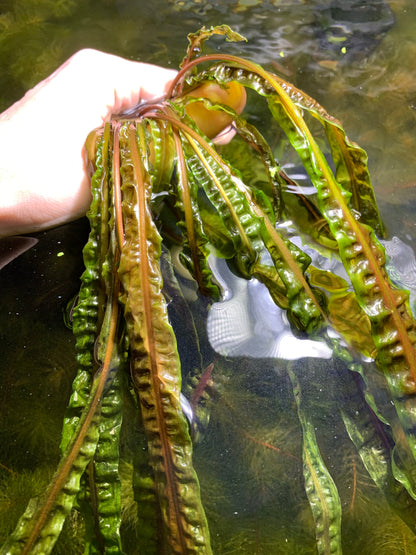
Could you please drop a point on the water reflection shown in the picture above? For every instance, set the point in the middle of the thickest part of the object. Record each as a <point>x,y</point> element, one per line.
<point>248,323</point>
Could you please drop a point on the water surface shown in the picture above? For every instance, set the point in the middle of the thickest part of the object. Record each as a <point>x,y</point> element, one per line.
<point>362,72</point>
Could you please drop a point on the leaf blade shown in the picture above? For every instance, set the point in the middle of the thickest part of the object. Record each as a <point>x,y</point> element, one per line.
<point>155,362</point>
<point>320,488</point>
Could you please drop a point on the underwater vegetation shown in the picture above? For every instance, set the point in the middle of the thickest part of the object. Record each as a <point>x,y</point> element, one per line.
<point>227,313</point>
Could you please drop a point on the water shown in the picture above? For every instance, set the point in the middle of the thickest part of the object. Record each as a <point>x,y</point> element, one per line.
<point>249,456</point>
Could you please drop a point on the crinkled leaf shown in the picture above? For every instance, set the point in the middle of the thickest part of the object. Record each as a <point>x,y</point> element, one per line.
<point>251,135</point>
<point>196,242</point>
<point>393,326</point>
<point>306,305</point>
<point>231,198</point>
<point>251,231</point>
<point>320,488</point>
<point>373,447</point>
<point>155,363</point>
<point>196,40</point>
<point>225,194</point>
<point>162,154</point>
<point>350,160</point>
<point>41,524</point>
<point>344,313</point>
<point>85,317</point>
<point>106,494</point>
<point>303,211</point>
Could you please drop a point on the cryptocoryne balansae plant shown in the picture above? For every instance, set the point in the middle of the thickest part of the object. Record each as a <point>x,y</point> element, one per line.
<point>160,183</point>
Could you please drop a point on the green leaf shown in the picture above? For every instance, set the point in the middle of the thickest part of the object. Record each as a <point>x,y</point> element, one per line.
<point>302,210</point>
<point>196,40</point>
<point>251,231</point>
<point>106,485</point>
<point>255,139</point>
<point>161,155</point>
<point>307,306</point>
<point>250,228</point>
<point>392,323</point>
<point>85,317</point>
<point>350,160</point>
<point>251,135</point>
<point>373,447</point>
<point>393,326</point>
<point>344,312</point>
<point>41,524</point>
<point>155,363</point>
<point>320,488</point>
<point>195,239</point>
<point>225,193</point>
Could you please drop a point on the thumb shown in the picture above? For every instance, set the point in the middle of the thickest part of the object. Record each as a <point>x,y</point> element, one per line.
<point>108,84</point>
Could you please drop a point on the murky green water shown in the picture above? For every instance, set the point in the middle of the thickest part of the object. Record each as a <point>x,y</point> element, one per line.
<point>249,459</point>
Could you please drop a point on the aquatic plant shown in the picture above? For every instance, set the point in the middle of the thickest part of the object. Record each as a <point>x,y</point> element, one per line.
<point>158,180</point>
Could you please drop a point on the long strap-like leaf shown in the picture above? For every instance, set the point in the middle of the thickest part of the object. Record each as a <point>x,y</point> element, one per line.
<point>320,488</point>
<point>251,231</point>
<point>105,485</point>
<point>372,445</point>
<point>350,160</point>
<point>187,194</point>
<point>155,363</point>
<point>394,329</point>
<point>392,323</point>
<point>41,524</point>
<point>86,312</point>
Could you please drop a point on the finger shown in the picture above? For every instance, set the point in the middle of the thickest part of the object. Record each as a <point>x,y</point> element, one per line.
<point>48,127</point>
<point>225,136</point>
<point>113,84</point>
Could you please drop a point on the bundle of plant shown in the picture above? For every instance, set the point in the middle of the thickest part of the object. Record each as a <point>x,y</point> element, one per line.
<point>158,177</point>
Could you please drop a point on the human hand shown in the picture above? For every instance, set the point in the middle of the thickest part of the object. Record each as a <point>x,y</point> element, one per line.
<point>43,175</point>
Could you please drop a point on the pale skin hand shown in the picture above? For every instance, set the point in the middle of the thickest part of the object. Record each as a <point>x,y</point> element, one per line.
<point>43,177</point>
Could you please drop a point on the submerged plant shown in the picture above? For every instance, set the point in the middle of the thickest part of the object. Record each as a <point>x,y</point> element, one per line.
<point>158,179</point>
